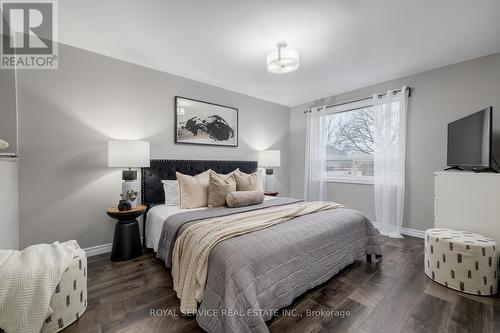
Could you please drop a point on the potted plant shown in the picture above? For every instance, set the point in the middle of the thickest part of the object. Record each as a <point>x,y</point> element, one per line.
<point>131,198</point>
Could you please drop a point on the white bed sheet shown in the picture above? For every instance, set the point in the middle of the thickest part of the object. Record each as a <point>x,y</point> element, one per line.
<point>157,216</point>
<point>155,219</point>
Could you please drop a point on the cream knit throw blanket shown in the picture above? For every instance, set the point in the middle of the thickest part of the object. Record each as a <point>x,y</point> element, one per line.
<point>191,249</point>
<point>28,280</point>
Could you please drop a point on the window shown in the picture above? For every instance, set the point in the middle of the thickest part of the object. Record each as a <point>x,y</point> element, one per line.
<point>350,144</point>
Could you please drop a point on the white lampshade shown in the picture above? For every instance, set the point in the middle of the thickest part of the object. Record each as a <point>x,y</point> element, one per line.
<point>269,158</point>
<point>128,154</point>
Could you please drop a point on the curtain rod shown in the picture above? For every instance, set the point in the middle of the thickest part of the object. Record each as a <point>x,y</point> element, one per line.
<point>362,99</point>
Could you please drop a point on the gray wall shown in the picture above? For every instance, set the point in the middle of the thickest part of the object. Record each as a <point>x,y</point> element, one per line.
<point>66,116</point>
<point>439,96</point>
<point>8,116</point>
<point>9,232</point>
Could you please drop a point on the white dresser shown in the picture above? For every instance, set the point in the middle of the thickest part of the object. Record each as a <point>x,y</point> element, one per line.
<point>468,201</point>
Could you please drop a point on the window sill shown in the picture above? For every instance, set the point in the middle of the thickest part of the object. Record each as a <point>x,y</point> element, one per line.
<point>350,180</point>
<point>8,158</point>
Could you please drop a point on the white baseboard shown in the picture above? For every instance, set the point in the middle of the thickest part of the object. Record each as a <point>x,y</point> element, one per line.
<point>98,249</point>
<point>406,231</point>
<point>106,248</point>
<point>413,232</point>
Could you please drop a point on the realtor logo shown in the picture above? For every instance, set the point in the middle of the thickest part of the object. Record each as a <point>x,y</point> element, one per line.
<point>28,34</point>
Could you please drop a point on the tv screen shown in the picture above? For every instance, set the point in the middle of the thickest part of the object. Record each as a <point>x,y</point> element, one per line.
<point>469,140</point>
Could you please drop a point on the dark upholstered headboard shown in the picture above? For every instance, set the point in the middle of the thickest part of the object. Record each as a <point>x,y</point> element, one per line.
<point>152,188</point>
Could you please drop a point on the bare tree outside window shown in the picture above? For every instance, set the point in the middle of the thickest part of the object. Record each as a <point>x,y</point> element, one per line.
<point>350,143</point>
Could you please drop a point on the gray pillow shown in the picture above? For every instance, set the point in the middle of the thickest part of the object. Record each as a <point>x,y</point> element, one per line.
<point>244,198</point>
<point>218,188</point>
<point>246,182</point>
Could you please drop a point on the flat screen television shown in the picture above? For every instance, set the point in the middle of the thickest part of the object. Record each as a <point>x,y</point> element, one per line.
<point>469,141</point>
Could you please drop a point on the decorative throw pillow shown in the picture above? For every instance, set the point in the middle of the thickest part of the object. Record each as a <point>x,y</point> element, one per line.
<point>246,182</point>
<point>244,198</point>
<point>260,177</point>
<point>193,191</point>
<point>218,188</point>
<point>171,189</point>
<point>232,172</point>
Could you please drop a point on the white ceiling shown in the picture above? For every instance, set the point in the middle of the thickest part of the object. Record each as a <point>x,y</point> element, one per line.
<point>343,44</point>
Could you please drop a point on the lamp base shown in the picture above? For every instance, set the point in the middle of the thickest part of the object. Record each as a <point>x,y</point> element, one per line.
<point>129,175</point>
<point>269,172</point>
<point>269,183</point>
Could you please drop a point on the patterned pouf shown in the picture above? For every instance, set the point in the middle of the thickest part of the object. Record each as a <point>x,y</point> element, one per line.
<point>461,260</point>
<point>69,301</point>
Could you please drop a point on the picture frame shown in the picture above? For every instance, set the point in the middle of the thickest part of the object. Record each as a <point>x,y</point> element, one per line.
<point>205,123</point>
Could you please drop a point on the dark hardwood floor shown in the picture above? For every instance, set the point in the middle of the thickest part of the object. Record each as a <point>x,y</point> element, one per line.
<point>391,295</point>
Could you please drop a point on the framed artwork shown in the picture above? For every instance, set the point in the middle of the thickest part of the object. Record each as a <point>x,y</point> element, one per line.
<point>204,123</point>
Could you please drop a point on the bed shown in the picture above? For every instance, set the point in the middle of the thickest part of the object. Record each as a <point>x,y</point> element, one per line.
<point>156,217</point>
<point>252,276</point>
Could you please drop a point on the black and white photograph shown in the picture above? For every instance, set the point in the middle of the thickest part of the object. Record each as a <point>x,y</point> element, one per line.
<point>205,123</point>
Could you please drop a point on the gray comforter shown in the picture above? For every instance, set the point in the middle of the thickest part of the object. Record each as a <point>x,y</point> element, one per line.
<point>252,276</point>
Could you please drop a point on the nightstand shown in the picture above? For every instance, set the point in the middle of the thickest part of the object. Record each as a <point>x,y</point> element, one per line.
<point>127,239</point>
<point>271,194</point>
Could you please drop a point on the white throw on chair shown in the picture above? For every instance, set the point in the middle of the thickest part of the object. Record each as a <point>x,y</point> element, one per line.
<point>43,287</point>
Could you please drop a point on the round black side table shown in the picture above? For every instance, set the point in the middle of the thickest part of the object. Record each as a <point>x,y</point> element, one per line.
<point>127,238</point>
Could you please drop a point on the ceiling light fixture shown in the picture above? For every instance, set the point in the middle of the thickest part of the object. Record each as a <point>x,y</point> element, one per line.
<point>282,60</point>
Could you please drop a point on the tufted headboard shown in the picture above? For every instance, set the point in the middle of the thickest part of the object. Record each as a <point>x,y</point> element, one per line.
<point>152,188</point>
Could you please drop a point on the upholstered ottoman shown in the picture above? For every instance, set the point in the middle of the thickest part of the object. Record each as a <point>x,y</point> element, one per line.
<point>69,301</point>
<point>461,260</point>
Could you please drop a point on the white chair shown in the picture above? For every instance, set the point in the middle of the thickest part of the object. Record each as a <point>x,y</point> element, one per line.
<point>462,261</point>
<point>69,301</point>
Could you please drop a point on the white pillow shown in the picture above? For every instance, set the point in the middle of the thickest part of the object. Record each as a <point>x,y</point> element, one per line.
<point>171,189</point>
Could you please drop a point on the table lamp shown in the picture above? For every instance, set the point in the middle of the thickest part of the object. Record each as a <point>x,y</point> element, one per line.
<point>269,159</point>
<point>129,154</point>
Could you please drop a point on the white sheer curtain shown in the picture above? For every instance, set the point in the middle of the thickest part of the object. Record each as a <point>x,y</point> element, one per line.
<point>315,158</point>
<point>389,160</point>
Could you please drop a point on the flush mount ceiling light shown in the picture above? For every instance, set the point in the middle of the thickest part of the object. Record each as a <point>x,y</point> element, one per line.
<point>282,60</point>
